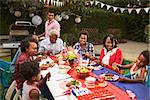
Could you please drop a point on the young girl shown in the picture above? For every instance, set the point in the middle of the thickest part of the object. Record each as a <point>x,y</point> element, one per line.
<point>137,69</point>
<point>31,72</point>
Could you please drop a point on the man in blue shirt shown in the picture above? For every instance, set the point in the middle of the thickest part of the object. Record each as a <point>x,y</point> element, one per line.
<point>53,44</point>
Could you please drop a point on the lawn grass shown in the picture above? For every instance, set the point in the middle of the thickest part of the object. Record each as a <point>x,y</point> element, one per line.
<point>8,58</point>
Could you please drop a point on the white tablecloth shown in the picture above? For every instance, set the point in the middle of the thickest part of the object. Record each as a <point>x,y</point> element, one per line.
<point>54,82</point>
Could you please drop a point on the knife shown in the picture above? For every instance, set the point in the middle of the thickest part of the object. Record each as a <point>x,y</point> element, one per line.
<point>63,79</point>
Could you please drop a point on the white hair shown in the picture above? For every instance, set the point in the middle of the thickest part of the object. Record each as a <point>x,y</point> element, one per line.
<point>53,32</point>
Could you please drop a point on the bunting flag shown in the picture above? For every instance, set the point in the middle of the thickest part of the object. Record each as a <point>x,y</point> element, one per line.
<point>52,2</point>
<point>138,10</point>
<point>108,7</point>
<point>102,5</point>
<point>122,10</point>
<point>91,2</point>
<point>44,1</point>
<point>97,2</point>
<point>147,9</point>
<point>130,10</point>
<point>60,4</point>
<point>115,8</point>
<point>48,1</point>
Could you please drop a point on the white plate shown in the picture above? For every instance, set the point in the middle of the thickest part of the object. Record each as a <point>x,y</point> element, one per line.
<point>114,77</point>
<point>64,83</point>
<point>104,84</point>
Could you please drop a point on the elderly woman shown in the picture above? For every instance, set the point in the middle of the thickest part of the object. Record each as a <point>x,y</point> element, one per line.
<point>85,49</point>
<point>53,44</point>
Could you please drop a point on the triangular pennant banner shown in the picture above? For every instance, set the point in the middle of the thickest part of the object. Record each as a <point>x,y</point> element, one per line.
<point>130,10</point>
<point>97,2</point>
<point>54,3</point>
<point>138,10</point>
<point>91,2</point>
<point>48,2</point>
<point>108,6</point>
<point>115,8</point>
<point>51,2</point>
<point>102,5</point>
<point>44,1</point>
<point>122,9</point>
<point>61,4</point>
<point>146,9</point>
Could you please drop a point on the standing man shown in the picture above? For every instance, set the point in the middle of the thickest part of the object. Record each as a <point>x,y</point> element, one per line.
<point>51,23</point>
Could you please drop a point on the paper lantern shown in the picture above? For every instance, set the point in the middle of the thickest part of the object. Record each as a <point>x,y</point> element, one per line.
<point>63,14</point>
<point>78,19</point>
<point>31,14</point>
<point>66,17</point>
<point>58,17</point>
<point>17,13</point>
<point>36,20</point>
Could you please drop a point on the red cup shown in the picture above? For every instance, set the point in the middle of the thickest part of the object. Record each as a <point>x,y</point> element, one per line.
<point>101,79</point>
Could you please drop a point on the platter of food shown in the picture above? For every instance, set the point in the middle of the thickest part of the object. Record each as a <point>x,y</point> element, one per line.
<point>70,83</point>
<point>111,77</point>
<point>46,63</point>
<point>104,84</point>
<point>74,83</point>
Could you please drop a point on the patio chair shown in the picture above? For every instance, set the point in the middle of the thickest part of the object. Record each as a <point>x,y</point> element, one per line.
<point>147,80</point>
<point>6,72</point>
<point>6,75</point>
<point>13,89</point>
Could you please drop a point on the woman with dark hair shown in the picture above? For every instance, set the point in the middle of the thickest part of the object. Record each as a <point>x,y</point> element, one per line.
<point>110,53</point>
<point>28,48</point>
<point>85,49</point>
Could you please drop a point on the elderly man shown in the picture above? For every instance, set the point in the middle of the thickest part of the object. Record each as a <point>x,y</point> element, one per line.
<point>52,44</point>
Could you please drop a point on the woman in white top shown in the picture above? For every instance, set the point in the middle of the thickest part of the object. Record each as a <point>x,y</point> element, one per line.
<point>137,69</point>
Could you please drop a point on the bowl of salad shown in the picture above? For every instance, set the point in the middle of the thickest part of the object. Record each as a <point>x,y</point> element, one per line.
<point>83,72</point>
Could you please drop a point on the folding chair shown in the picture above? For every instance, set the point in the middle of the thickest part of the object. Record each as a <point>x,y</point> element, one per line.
<point>9,95</point>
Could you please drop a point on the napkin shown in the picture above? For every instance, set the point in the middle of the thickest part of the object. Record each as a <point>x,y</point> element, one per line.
<point>131,94</point>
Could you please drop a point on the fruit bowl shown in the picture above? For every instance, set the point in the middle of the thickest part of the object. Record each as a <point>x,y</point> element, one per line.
<point>83,72</point>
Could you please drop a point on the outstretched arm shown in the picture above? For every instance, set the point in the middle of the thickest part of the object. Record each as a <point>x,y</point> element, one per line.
<point>43,81</point>
<point>140,79</point>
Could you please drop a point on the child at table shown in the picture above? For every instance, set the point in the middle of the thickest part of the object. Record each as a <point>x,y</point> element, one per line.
<point>137,69</point>
<point>31,72</point>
